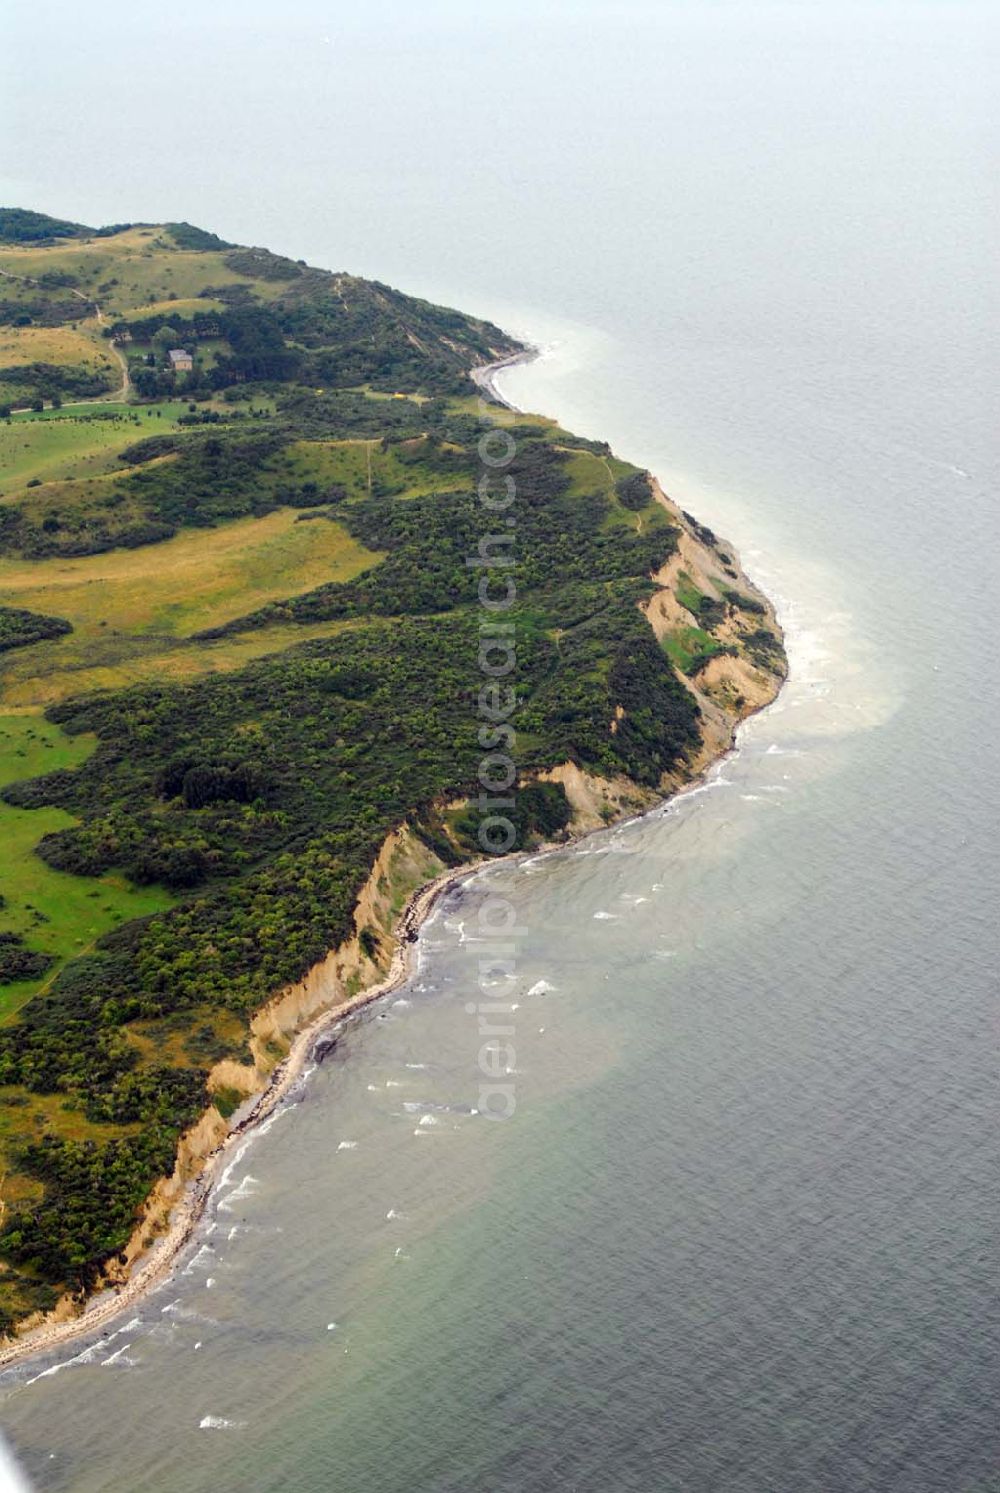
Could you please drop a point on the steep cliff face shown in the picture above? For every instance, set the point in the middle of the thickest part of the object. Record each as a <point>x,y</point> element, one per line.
<point>738,679</point>
<point>403,865</point>
<point>341,981</point>
<point>747,666</point>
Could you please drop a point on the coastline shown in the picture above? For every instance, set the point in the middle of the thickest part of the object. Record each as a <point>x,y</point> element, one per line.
<point>485,376</point>
<point>156,1264</point>
<point>187,1214</point>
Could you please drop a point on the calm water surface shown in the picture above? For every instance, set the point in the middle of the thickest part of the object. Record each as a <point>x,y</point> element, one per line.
<point>740,1232</point>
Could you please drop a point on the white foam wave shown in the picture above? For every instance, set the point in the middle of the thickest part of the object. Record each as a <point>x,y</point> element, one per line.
<point>187,1314</point>
<point>245,1189</point>
<point>204,1254</point>
<point>86,1356</point>
<point>240,1152</point>
<point>129,1326</point>
<point>128,1363</point>
<point>680,799</point>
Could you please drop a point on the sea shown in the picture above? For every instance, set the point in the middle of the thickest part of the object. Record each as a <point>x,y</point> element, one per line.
<point>738,1233</point>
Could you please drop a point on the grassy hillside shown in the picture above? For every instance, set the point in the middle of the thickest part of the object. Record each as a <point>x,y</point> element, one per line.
<point>56,914</point>
<point>241,597</point>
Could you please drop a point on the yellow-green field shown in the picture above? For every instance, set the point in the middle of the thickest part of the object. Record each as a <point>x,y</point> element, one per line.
<point>82,350</point>
<point>183,310</point>
<point>144,263</point>
<point>360,465</point>
<point>127,606</point>
<point>26,1116</point>
<point>54,445</point>
<point>64,444</point>
<point>590,472</point>
<point>32,1115</point>
<point>198,579</point>
<point>26,688</point>
<point>63,345</point>
<point>57,913</point>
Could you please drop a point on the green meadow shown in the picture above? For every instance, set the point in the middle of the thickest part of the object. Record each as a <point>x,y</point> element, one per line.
<point>56,913</point>
<point>74,441</point>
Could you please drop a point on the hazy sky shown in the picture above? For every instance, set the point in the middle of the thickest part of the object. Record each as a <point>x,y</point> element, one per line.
<point>353,131</point>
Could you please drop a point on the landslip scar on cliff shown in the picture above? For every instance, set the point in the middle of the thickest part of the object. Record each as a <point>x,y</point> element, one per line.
<point>240,725</point>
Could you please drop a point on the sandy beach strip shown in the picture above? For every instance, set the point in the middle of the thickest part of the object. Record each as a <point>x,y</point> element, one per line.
<point>484,378</point>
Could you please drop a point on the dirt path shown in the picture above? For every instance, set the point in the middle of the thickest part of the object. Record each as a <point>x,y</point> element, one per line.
<point>123,392</point>
<point>116,352</point>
